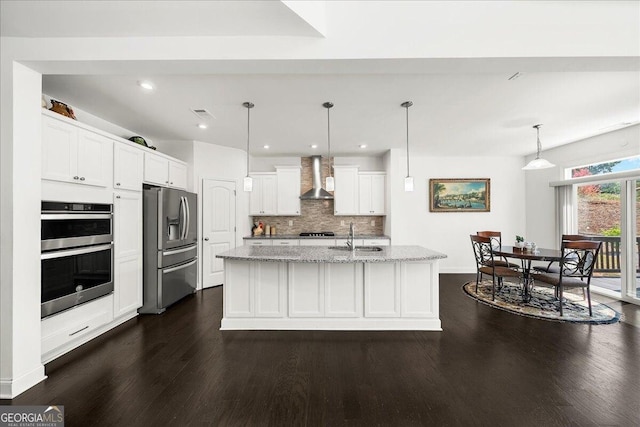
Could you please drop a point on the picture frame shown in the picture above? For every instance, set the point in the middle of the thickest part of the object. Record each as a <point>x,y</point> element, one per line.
<point>459,195</point>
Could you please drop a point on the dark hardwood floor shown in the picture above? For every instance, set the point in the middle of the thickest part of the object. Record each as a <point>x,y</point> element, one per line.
<point>487,367</point>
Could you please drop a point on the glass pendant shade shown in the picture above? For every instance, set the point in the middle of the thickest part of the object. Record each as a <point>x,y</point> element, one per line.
<point>408,183</point>
<point>538,163</point>
<point>248,183</point>
<point>330,184</point>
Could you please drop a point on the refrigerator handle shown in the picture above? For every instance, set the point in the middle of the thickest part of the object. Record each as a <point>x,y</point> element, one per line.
<point>188,226</point>
<point>183,217</point>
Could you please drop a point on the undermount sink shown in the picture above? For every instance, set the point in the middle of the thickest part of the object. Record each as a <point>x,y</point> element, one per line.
<point>358,248</point>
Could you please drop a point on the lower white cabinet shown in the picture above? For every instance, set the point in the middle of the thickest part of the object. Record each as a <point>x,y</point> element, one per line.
<point>127,285</point>
<point>317,242</point>
<point>255,242</point>
<point>71,328</point>
<point>259,291</point>
<point>286,242</point>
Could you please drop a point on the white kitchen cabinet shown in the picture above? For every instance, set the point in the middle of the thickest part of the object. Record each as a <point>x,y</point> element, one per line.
<point>160,170</point>
<point>345,196</point>
<point>127,278</point>
<point>288,190</point>
<point>128,164</point>
<point>317,242</point>
<point>382,289</point>
<point>286,242</point>
<point>75,155</point>
<point>306,289</point>
<point>371,189</point>
<point>263,196</point>
<point>376,242</point>
<point>261,290</point>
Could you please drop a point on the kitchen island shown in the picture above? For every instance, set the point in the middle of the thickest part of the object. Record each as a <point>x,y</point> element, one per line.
<point>315,287</point>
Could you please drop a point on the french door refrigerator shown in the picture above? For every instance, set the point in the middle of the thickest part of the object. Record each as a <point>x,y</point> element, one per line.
<point>170,247</point>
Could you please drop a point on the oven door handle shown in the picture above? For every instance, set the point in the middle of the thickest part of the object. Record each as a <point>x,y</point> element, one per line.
<point>79,251</point>
<point>54,217</point>
<point>180,267</point>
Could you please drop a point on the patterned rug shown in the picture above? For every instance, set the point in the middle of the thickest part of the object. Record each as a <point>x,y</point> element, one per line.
<point>543,304</point>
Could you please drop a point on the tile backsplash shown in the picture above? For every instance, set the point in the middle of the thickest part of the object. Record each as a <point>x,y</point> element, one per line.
<point>317,215</point>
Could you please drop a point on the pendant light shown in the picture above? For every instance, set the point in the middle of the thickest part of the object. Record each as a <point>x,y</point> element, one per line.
<point>330,183</point>
<point>538,163</point>
<point>248,182</point>
<point>408,180</point>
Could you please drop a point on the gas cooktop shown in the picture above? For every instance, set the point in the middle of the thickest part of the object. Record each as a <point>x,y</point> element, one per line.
<point>317,234</point>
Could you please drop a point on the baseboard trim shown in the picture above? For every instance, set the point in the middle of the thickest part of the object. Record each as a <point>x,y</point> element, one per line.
<point>10,389</point>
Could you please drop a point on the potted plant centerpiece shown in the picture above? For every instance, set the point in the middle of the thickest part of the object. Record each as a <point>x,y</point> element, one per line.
<point>519,242</point>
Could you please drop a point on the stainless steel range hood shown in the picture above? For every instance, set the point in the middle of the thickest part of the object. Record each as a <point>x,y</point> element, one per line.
<point>317,192</point>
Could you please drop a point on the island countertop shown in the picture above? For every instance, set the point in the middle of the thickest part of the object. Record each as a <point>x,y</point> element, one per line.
<point>322,254</point>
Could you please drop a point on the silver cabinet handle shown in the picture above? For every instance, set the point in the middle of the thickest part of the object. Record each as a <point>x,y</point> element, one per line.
<point>82,178</point>
<point>78,331</point>
<point>206,239</point>
<point>118,184</point>
<point>76,177</point>
<point>117,197</point>
<point>171,183</point>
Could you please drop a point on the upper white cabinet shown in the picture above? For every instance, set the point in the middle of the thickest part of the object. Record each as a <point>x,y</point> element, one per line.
<point>75,155</point>
<point>127,167</point>
<point>160,170</point>
<point>263,196</point>
<point>345,197</point>
<point>371,193</point>
<point>288,190</point>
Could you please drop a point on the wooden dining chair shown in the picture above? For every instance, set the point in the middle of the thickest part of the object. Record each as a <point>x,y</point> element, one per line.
<point>553,266</point>
<point>496,241</point>
<point>485,263</point>
<point>576,268</point>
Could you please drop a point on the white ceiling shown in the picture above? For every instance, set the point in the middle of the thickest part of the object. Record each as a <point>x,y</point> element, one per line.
<point>460,107</point>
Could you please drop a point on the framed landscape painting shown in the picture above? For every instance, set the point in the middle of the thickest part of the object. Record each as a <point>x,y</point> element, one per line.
<point>460,195</point>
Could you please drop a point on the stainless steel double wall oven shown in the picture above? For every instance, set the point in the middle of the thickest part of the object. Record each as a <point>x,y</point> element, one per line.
<point>77,254</point>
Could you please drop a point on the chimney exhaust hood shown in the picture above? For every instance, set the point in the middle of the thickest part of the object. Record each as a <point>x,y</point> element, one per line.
<point>317,192</point>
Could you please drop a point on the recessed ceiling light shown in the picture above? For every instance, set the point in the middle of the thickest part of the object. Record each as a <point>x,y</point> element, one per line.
<point>202,125</point>
<point>144,84</point>
<point>314,146</point>
<point>362,145</point>
<point>266,147</point>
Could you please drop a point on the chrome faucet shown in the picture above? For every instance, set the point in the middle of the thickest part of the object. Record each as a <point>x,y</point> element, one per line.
<point>350,243</point>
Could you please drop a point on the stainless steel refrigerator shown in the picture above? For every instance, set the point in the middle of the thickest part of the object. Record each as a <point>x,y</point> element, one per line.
<point>170,247</point>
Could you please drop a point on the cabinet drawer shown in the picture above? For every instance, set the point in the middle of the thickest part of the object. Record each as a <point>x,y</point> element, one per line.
<point>358,242</point>
<point>258,242</point>
<point>75,323</point>
<point>376,242</point>
<point>317,242</point>
<point>286,242</point>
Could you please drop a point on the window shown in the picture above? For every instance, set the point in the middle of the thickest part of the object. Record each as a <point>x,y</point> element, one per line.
<point>623,165</point>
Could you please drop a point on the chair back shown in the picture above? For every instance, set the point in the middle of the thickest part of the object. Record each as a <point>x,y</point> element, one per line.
<point>579,258</point>
<point>496,237</point>
<point>574,237</point>
<point>482,250</point>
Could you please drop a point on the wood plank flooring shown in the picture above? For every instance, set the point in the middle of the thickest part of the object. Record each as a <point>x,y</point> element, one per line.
<point>487,367</point>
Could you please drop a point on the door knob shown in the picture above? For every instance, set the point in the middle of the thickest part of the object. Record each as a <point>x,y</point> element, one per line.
<point>206,239</point>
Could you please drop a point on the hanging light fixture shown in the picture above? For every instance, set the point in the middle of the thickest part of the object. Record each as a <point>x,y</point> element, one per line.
<point>330,183</point>
<point>248,182</point>
<point>538,163</point>
<point>408,181</point>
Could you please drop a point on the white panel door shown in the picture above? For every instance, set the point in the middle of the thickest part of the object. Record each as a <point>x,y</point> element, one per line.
<point>218,228</point>
<point>59,150</point>
<point>416,293</point>
<point>345,200</point>
<point>343,290</point>
<point>178,175</point>
<point>382,289</point>
<point>238,299</point>
<point>306,289</point>
<point>269,194</point>
<point>156,169</point>
<point>377,194</point>
<point>269,286</point>
<point>127,280</point>
<point>95,159</point>
<point>127,224</point>
<point>288,189</point>
<point>128,165</point>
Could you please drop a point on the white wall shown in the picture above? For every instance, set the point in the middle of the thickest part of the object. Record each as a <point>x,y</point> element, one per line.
<point>540,202</point>
<point>411,223</point>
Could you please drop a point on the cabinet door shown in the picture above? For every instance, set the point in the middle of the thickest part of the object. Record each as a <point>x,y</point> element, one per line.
<point>127,224</point>
<point>238,301</point>
<point>156,169</point>
<point>269,288</point>
<point>128,163</point>
<point>255,197</point>
<point>255,242</point>
<point>377,194</point>
<point>269,194</point>
<point>343,290</point>
<point>288,188</point>
<point>178,175</point>
<point>382,289</point>
<point>127,285</point>
<point>59,150</point>
<point>346,195</point>
<point>364,194</point>
<point>95,159</point>
<point>419,297</point>
<point>306,289</point>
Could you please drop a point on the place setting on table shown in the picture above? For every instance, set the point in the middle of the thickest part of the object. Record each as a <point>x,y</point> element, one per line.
<point>507,279</point>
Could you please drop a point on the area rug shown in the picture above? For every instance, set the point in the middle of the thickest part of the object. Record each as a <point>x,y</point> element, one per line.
<point>543,304</point>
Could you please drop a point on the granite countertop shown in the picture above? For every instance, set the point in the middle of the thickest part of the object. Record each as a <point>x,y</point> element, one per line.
<point>295,236</point>
<point>322,254</point>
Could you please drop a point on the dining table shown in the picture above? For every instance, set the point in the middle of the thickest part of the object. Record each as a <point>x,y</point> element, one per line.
<point>526,256</point>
